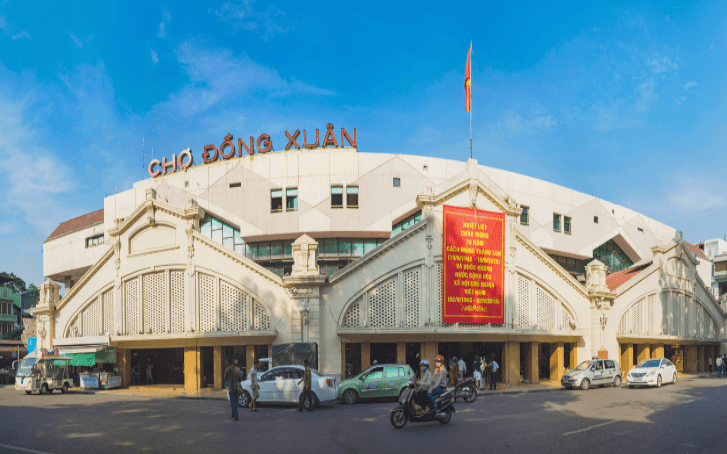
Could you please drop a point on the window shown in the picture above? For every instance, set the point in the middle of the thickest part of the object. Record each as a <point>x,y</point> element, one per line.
<point>524,220</point>
<point>595,219</point>
<point>611,255</point>
<point>235,185</point>
<point>405,224</point>
<point>566,225</point>
<point>336,196</point>
<point>276,200</point>
<point>351,196</point>
<point>377,373</point>
<point>94,241</point>
<point>291,199</point>
<point>397,182</point>
<point>556,223</point>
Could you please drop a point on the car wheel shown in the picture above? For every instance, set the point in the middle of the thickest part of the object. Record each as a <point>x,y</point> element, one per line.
<point>65,388</point>
<point>447,417</point>
<point>675,378</point>
<point>351,397</point>
<point>585,384</point>
<point>43,389</point>
<point>617,382</point>
<point>311,402</point>
<point>658,381</point>
<point>243,400</point>
<point>398,418</point>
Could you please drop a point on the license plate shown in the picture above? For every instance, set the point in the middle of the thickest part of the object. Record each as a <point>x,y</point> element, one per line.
<point>637,379</point>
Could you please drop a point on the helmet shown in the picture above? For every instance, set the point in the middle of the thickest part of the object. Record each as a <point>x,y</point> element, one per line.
<point>440,359</point>
<point>424,363</point>
<point>454,358</point>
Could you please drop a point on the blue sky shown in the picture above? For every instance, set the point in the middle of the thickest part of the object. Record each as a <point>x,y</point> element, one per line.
<point>625,101</point>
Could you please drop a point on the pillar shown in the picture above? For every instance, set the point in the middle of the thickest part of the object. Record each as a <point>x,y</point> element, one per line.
<point>627,358</point>
<point>657,351</point>
<point>401,353</point>
<point>643,351</point>
<point>192,368</point>
<point>690,358</point>
<point>511,366</point>
<point>429,351</point>
<point>531,363</point>
<point>365,355</point>
<point>249,358</point>
<point>123,361</point>
<point>343,360</point>
<point>556,361</point>
<point>217,361</point>
<point>574,356</point>
<point>700,359</point>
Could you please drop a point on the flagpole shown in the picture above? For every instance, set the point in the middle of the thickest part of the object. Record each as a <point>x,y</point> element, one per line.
<point>470,102</point>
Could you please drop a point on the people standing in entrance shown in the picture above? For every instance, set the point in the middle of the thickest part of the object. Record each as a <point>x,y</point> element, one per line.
<point>149,367</point>
<point>233,377</point>
<point>305,395</point>
<point>493,374</point>
<point>454,372</point>
<point>254,385</point>
<point>462,368</point>
<point>709,363</point>
<point>718,362</point>
<point>440,380</point>
<point>135,375</point>
<point>476,371</point>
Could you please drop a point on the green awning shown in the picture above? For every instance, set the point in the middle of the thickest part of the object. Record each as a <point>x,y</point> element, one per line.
<point>88,359</point>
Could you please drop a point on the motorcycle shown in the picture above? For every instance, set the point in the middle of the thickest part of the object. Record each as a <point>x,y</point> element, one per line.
<point>416,407</point>
<point>466,389</point>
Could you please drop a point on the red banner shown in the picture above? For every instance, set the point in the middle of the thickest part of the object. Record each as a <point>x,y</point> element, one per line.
<point>474,268</point>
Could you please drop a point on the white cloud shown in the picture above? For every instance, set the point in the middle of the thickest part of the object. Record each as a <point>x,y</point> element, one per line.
<point>77,42</point>
<point>661,63</point>
<point>22,34</point>
<point>243,16</point>
<point>690,84</point>
<point>162,29</point>
<point>154,57</point>
<point>166,18</point>
<point>695,195</point>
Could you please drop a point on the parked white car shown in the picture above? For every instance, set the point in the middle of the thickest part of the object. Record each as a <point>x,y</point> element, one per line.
<point>280,385</point>
<point>652,372</point>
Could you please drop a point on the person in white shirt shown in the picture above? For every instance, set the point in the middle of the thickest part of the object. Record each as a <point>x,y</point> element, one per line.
<point>718,362</point>
<point>462,368</point>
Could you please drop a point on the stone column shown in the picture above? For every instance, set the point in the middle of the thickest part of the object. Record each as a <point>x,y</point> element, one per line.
<point>556,361</point>
<point>123,359</point>
<point>627,358</point>
<point>574,356</point>
<point>365,355</point>
<point>701,366</point>
<point>690,358</point>
<point>249,357</point>
<point>192,368</point>
<point>343,360</point>
<point>429,352</point>
<point>643,351</point>
<point>532,374</point>
<point>401,352</point>
<point>217,365</point>
<point>657,351</point>
<point>511,366</point>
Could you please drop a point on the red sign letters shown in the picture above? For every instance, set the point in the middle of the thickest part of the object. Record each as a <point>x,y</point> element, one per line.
<point>474,268</point>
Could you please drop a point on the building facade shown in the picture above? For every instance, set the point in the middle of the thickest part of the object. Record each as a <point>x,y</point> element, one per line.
<point>344,249</point>
<point>9,309</point>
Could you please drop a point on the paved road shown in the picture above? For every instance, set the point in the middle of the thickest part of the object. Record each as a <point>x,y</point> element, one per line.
<point>689,417</point>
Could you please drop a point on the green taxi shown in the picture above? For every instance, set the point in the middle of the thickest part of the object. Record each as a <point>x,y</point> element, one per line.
<point>381,380</point>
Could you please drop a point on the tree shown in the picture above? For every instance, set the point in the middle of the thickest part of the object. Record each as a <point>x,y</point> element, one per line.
<point>18,285</point>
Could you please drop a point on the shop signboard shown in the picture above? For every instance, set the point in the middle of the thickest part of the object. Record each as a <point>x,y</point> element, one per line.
<point>32,342</point>
<point>113,381</point>
<point>89,381</point>
<point>473,266</point>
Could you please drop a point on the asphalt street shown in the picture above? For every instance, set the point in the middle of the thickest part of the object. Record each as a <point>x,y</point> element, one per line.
<point>689,417</point>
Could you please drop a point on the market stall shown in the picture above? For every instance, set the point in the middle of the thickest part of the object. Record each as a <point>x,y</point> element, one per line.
<point>97,364</point>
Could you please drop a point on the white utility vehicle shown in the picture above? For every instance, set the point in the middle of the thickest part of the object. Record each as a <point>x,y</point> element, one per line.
<point>44,374</point>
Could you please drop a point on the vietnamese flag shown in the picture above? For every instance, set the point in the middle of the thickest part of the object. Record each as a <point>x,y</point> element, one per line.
<point>468,82</point>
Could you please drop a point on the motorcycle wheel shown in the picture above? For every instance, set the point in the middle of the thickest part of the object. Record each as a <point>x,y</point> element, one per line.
<point>470,394</point>
<point>446,419</point>
<point>398,418</point>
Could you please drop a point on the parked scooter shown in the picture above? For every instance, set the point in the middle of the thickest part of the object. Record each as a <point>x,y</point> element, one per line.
<point>466,389</point>
<point>416,407</point>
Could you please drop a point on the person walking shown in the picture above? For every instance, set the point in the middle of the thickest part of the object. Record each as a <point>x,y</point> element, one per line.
<point>454,372</point>
<point>254,386</point>
<point>149,367</point>
<point>709,363</point>
<point>718,363</point>
<point>306,394</point>
<point>493,374</point>
<point>462,368</point>
<point>476,371</point>
<point>233,377</point>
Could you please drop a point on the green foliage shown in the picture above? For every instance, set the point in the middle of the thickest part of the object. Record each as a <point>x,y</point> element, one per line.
<point>14,334</point>
<point>18,285</point>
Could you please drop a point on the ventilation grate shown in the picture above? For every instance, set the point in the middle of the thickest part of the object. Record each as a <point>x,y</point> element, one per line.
<point>545,306</point>
<point>207,302</point>
<point>411,298</point>
<point>638,317</point>
<point>90,319</point>
<point>650,314</point>
<point>177,287</point>
<point>154,302</point>
<point>262,320</point>
<point>108,312</point>
<point>382,305</point>
<point>131,306</point>
<point>438,300</point>
<point>234,308</point>
<point>352,318</point>
<point>523,301</point>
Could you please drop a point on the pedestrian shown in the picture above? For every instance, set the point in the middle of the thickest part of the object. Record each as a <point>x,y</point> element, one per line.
<point>483,371</point>
<point>718,363</point>
<point>493,374</point>
<point>462,368</point>
<point>476,371</point>
<point>454,372</point>
<point>306,394</point>
<point>135,375</point>
<point>233,378</point>
<point>254,387</point>
<point>710,365</point>
<point>149,367</point>
<point>440,380</point>
<point>724,366</point>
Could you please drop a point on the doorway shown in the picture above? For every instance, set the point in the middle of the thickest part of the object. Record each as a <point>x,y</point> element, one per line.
<point>383,353</point>
<point>413,355</point>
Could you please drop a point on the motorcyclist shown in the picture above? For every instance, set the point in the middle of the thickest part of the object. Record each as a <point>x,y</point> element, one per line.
<point>425,378</point>
<point>440,380</point>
